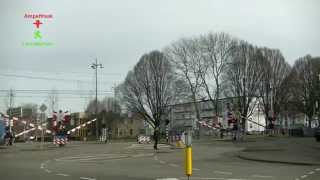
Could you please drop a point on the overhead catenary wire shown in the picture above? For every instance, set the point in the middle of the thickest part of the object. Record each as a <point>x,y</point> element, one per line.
<point>42,91</point>
<point>51,79</point>
<point>62,72</point>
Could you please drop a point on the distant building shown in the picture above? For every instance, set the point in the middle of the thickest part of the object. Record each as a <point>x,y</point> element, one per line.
<point>77,119</point>
<point>122,127</point>
<point>181,115</point>
<point>128,127</point>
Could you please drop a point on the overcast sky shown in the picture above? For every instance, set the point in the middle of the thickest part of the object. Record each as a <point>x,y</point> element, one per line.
<point>118,32</point>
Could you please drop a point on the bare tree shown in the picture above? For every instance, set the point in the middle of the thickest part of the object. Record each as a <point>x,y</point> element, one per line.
<point>91,107</point>
<point>109,111</point>
<point>53,100</point>
<point>186,57</point>
<point>110,104</point>
<point>148,89</point>
<point>271,90</point>
<point>243,77</point>
<point>305,74</point>
<point>216,50</point>
<point>32,110</point>
<point>9,99</point>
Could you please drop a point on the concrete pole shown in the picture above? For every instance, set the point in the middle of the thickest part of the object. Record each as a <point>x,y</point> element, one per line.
<point>95,66</point>
<point>96,109</point>
<point>318,103</point>
<point>10,108</point>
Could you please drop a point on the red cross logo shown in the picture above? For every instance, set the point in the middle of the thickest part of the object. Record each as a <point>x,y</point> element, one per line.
<point>37,23</point>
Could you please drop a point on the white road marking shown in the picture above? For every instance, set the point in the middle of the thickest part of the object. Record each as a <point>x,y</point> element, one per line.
<point>143,155</point>
<point>71,158</point>
<point>102,157</point>
<point>208,178</point>
<point>42,165</point>
<point>195,169</point>
<point>85,156</point>
<point>146,146</point>
<point>93,158</point>
<point>86,178</point>
<point>318,169</point>
<point>156,158</point>
<point>311,172</point>
<point>62,174</point>
<point>168,179</point>
<point>98,158</point>
<point>304,176</point>
<point>174,165</point>
<point>162,162</point>
<point>48,171</point>
<point>297,179</point>
<point>261,176</point>
<point>222,172</point>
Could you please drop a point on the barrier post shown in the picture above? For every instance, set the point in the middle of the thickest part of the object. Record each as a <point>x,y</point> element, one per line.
<point>188,151</point>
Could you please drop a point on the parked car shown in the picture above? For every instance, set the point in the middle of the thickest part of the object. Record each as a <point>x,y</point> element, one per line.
<point>317,134</point>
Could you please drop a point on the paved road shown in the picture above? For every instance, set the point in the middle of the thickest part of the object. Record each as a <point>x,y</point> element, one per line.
<point>212,160</point>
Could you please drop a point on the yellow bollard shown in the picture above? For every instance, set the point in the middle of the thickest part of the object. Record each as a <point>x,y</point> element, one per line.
<point>188,161</point>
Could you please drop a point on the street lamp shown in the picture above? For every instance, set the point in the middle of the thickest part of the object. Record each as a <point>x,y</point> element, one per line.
<point>95,66</point>
<point>317,104</point>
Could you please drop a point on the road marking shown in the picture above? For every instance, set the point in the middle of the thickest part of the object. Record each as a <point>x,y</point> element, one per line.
<point>311,172</point>
<point>94,158</point>
<point>102,157</point>
<point>318,169</point>
<point>143,155</point>
<point>146,146</point>
<point>86,178</point>
<point>156,158</point>
<point>261,176</point>
<point>48,171</point>
<point>168,179</point>
<point>195,169</point>
<point>99,158</point>
<point>206,178</point>
<point>222,172</point>
<point>304,176</point>
<point>85,156</point>
<point>162,162</point>
<point>174,165</point>
<point>42,165</point>
<point>62,174</point>
<point>73,157</point>
<point>297,179</point>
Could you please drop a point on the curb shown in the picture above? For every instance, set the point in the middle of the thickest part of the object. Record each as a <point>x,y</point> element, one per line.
<point>241,156</point>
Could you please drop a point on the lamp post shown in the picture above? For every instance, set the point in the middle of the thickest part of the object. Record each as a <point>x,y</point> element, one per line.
<point>95,66</point>
<point>10,109</point>
<point>318,102</point>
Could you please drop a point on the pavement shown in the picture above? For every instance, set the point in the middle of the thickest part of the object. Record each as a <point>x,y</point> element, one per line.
<point>213,159</point>
<point>300,151</point>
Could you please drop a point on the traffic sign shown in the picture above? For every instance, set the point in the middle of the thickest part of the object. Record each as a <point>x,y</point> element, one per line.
<point>43,108</point>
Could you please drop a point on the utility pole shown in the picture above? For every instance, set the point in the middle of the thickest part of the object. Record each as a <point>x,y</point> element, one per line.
<point>95,66</point>
<point>10,108</point>
<point>318,106</point>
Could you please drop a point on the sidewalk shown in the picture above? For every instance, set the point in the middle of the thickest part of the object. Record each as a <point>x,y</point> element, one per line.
<point>289,150</point>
